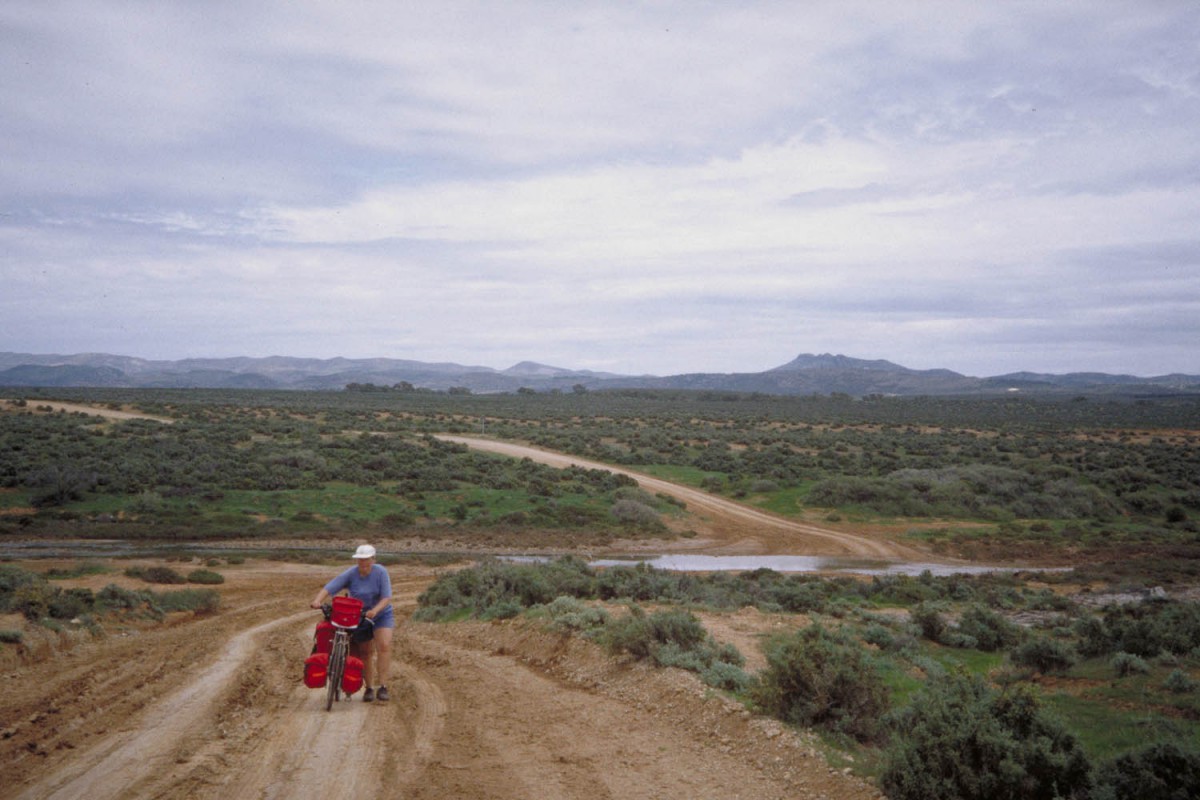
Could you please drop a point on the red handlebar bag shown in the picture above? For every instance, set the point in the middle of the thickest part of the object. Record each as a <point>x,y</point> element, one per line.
<point>323,637</point>
<point>352,676</point>
<point>316,670</point>
<point>346,612</point>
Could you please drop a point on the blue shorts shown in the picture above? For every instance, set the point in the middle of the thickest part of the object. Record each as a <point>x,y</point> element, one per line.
<point>385,618</point>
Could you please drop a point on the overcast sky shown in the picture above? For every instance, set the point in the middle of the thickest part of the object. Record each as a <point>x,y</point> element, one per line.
<point>656,187</point>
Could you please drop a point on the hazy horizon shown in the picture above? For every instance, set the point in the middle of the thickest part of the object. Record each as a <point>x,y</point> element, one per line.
<point>533,361</point>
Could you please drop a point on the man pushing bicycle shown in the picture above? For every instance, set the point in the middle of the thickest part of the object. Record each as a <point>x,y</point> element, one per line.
<point>370,583</point>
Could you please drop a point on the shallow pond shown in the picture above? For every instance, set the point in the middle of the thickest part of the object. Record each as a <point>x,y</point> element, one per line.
<point>685,563</point>
<point>859,566</point>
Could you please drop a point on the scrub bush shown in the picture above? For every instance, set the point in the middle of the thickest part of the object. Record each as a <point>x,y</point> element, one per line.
<point>1044,655</point>
<point>1163,771</point>
<point>33,601</point>
<point>572,614</point>
<point>202,601</point>
<point>990,631</point>
<point>1178,682</point>
<point>206,576</point>
<point>821,679</point>
<point>155,575</point>
<point>643,636</point>
<point>676,638</point>
<point>928,617</point>
<point>1126,664</point>
<point>961,740</point>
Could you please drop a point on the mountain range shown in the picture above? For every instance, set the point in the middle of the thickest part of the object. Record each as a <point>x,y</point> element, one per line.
<point>804,375</point>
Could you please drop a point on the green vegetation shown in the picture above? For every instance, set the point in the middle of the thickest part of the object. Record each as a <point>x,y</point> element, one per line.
<point>932,682</point>
<point>816,678</point>
<point>205,576</point>
<point>1113,481</point>
<point>41,602</point>
<point>1111,485</point>
<point>965,740</point>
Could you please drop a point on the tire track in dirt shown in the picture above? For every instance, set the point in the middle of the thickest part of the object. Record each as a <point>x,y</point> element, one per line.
<point>738,528</point>
<point>120,762</point>
<point>478,710</point>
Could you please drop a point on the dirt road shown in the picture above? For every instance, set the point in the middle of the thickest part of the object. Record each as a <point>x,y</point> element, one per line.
<point>213,707</point>
<point>731,528</point>
<point>95,411</point>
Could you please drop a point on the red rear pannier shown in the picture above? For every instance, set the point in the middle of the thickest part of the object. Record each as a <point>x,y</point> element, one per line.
<point>352,676</point>
<point>323,638</point>
<point>316,670</point>
<point>346,612</point>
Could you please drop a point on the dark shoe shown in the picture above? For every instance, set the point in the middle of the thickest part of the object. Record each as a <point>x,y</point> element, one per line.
<point>369,695</point>
<point>382,694</point>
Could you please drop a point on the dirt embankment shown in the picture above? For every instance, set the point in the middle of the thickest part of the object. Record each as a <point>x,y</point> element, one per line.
<point>213,707</point>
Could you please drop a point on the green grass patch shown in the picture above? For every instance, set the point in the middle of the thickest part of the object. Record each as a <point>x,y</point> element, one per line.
<point>976,662</point>
<point>1106,730</point>
<point>77,570</point>
<point>689,476</point>
<point>786,502</point>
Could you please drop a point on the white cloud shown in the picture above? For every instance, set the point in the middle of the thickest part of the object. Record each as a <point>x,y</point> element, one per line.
<point>657,187</point>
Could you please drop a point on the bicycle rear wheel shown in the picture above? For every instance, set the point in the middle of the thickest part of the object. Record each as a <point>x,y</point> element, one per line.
<point>337,666</point>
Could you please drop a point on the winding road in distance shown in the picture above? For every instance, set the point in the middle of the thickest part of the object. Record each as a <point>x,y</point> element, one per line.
<point>737,529</point>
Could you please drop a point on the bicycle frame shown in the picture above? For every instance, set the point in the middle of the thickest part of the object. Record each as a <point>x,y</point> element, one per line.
<point>338,653</point>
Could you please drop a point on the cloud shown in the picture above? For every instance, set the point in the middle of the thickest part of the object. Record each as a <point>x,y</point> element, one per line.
<point>655,187</point>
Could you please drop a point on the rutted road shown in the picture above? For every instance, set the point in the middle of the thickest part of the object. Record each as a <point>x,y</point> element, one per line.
<point>213,709</point>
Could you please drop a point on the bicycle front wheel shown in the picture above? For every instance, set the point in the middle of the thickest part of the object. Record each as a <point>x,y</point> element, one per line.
<point>337,666</point>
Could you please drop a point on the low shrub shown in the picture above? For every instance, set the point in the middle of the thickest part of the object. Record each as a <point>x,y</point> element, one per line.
<point>164,575</point>
<point>815,678</point>
<point>33,600</point>
<point>989,630</point>
<point>1044,655</point>
<point>727,676</point>
<point>1178,682</point>
<point>116,598</point>
<point>676,638</point>
<point>572,614</point>
<point>1144,629</point>
<point>879,636</point>
<point>205,576</point>
<point>961,740</point>
<point>1126,664</point>
<point>928,617</point>
<point>72,603</point>
<point>643,636</point>
<point>11,637</point>
<point>201,601</point>
<point>632,512</point>
<point>1163,771</point>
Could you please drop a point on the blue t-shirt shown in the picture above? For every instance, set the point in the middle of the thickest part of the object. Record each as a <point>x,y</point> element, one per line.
<point>370,590</point>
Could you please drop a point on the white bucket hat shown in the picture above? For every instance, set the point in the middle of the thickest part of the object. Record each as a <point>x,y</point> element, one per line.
<point>364,551</point>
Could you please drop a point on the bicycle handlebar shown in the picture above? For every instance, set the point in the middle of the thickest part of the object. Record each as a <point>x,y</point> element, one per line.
<point>327,610</point>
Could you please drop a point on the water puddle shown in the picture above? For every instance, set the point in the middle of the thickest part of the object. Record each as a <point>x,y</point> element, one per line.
<point>858,566</point>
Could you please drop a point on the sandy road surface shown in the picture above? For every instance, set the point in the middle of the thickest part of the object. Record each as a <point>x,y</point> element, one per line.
<point>213,707</point>
<point>97,411</point>
<point>736,528</point>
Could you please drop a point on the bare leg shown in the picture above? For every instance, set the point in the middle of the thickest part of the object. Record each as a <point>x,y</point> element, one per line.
<point>382,662</point>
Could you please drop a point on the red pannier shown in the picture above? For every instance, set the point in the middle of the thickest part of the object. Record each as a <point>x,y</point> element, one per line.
<point>346,612</point>
<point>352,676</point>
<point>323,637</point>
<point>316,670</point>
